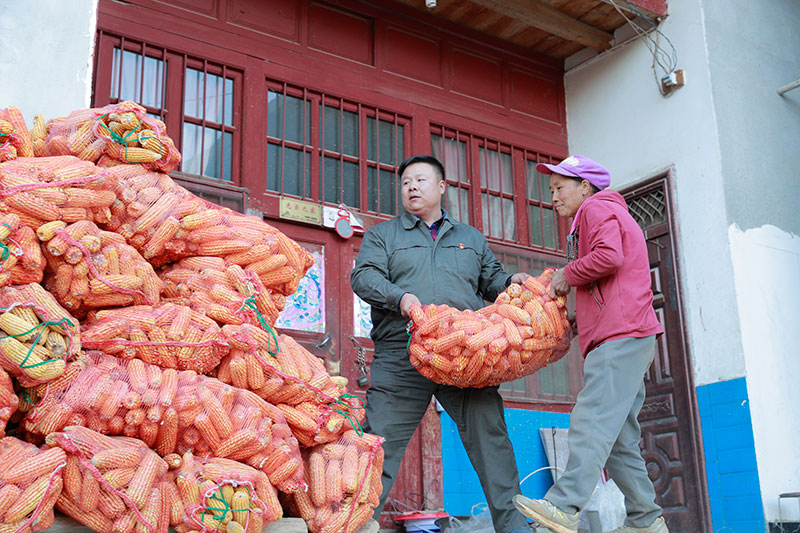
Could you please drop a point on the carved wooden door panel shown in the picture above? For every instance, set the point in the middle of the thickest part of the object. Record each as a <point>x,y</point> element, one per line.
<point>670,424</point>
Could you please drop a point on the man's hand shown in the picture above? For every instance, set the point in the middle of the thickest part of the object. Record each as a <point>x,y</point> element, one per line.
<point>558,284</point>
<point>519,278</point>
<point>406,302</point>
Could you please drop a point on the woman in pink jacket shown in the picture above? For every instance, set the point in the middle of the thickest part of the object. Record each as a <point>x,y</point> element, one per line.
<point>617,328</point>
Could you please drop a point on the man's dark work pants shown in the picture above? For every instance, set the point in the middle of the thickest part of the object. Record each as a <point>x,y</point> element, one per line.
<point>396,401</point>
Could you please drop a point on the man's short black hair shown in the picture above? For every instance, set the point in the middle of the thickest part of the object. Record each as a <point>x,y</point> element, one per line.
<point>421,158</point>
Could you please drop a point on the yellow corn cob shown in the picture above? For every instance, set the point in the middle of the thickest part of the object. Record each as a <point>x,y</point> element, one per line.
<point>110,504</point>
<point>535,286</point>
<point>240,504</point>
<point>207,430</point>
<point>15,325</point>
<point>47,231</point>
<point>162,208</point>
<point>450,340</point>
<point>117,458</point>
<point>29,499</point>
<point>237,441</point>
<point>223,247</point>
<point>217,415</point>
<point>234,527</point>
<point>72,477</point>
<point>486,336</point>
<point>90,492</point>
<point>316,467</point>
<point>520,316</point>
<point>112,260</point>
<point>141,483</point>
<point>297,419</point>
<point>110,284</point>
<point>39,130</point>
<point>512,333</point>
<point>95,520</point>
<point>132,154</point>
<point>265,265</point>
<point>34,206</point>
<point>278,277</point>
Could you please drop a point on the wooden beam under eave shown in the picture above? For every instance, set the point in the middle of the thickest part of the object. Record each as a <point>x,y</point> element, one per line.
<point>550,20</point>
<point>651,9</point>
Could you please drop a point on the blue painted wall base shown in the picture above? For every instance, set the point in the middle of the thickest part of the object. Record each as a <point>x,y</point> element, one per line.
<point>462,490</point>
<point>734,490</point>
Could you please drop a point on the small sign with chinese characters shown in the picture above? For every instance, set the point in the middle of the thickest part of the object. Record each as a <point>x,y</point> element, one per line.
<point>301,211</point>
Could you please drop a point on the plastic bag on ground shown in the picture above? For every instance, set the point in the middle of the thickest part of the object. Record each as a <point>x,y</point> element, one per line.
<point>21,260</point>
<point>170,411</point>
<point>280,370</point>
<point>344,480</point>
<point>523,331</point>
<point>166,335</point>
<point>38,335</point>
<point>30,484</point>
<point>88,268</point>
<point>112,485</point>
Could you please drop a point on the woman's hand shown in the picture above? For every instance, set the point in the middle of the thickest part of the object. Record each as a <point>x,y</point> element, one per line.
<point>558,284</point>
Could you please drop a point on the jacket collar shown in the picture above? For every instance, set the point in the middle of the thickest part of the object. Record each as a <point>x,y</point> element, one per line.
<point>409,221</point>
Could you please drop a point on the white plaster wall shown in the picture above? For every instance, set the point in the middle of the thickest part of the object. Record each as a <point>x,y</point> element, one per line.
<point>616,114</point>
<point>46,60</point>
<point>766,265</point>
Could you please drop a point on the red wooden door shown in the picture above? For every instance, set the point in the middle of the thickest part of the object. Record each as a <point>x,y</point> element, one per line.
<point>342,327</point>
<point>669,420</point>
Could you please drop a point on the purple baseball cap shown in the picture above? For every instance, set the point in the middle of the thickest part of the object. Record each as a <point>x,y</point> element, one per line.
<point>578,166</point>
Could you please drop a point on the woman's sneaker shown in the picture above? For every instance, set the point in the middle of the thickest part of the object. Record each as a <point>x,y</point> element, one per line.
<point>658,526</point>
<point>546,514</point>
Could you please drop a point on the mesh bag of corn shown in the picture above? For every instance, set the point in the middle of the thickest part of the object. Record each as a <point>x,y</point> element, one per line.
<point>122,132</point>
<point>21,260</point>
<point>166,335</point>
<point>45,189</point>
<point>523,331</point>
<point>280,370</point>
<point>170,411</point>
<point>112,484</point>
<point>221,290</point>
<point>344,480</point>
<point>15,139</point>
<point>221,495</point>
<point>30,484</point>
<point>8,401</point>
<point>38,335</point>
<point>88,268</point>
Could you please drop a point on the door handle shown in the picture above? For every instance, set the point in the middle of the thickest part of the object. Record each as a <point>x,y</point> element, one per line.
<point>325,341</point>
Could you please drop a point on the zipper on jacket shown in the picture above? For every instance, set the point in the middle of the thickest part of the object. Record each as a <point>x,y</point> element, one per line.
<point>591,291</point>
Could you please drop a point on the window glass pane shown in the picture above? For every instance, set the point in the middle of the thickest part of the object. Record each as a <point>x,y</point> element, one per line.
<point>191,148</point>
<point>130,86</point>
<point>351,193</point>
<point>212,154</point>
<point>228,102</point>
<point>506,179</point>
<point>350,133</point>
<point>292,171</point>
<point>535,225</point>
<point>227,157</point>
<point>509,220</point>
<point>453,155</point>
<point>549,220</point>
<point>388,192</point>
<point>193,95</point>
<point>401,139</point>
<point>387,142</point>
<point>544,180</point>
<point>214,98</point>
<point>331,182</point>
<point>372,189</point>
<point>332,129</point>
<point>273,167</point>
<point>495,217</point>
<point>532,181</point>
<point>457,203</point>
<point>274,114</point>
<point>305,309</point>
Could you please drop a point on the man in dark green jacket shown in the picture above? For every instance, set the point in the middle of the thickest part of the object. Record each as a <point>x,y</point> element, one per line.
<point>425,257</point>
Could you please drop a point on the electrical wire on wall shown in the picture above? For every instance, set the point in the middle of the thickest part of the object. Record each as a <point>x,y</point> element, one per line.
<point>665,61</point>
